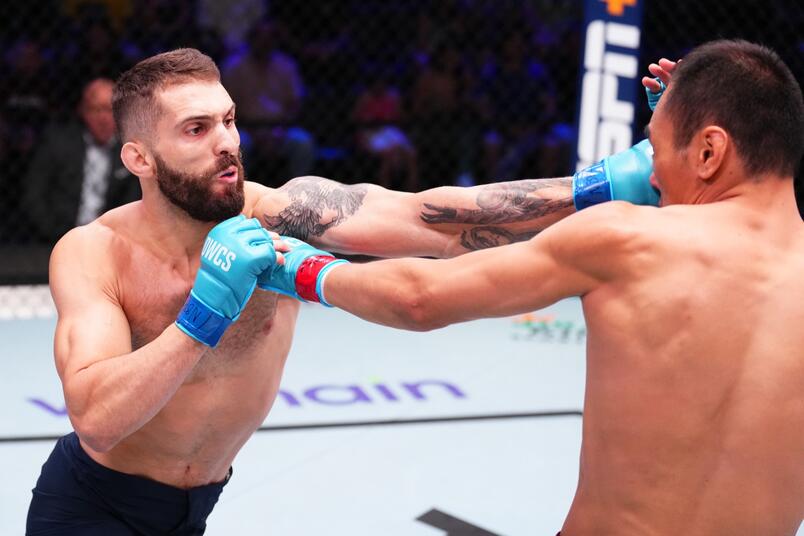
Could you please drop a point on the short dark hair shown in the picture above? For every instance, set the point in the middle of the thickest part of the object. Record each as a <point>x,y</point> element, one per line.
<point>133,103</point>
<point>747,90</point>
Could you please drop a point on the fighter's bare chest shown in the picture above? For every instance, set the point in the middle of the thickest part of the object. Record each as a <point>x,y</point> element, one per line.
<point>152,298</point>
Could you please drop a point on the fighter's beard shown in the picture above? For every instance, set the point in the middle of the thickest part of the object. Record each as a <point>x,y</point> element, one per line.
<point>193,193</point>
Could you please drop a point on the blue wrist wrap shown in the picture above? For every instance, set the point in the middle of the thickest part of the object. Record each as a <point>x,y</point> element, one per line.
<point>653,98</point>
<point>200,322</point>
<point>591,186</point>
<point>319,284</point>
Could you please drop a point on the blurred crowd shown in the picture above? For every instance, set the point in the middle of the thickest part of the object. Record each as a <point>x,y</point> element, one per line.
<point>407,94</point>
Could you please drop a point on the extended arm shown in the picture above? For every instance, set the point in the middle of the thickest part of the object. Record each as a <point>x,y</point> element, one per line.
<point>425,294</point>
<point>441,222</point>
<point>572,258</point>
<point>446,221</point>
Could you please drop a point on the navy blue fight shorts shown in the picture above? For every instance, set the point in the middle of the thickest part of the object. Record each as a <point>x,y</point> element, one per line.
<point>76,495</point>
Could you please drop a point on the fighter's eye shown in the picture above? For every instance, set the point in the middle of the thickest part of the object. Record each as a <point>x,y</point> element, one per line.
<point>195,131</point>
<point>229,122</point>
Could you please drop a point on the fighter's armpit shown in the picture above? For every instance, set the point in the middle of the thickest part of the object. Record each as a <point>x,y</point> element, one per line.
<point>316,204</point>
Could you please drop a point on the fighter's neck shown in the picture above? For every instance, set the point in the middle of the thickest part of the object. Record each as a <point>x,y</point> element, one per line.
<point>171,231</point>
<point>733,182</point>
<point>768,198</point>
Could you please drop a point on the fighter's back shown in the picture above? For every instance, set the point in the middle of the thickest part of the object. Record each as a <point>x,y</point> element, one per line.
<point>695,391</point>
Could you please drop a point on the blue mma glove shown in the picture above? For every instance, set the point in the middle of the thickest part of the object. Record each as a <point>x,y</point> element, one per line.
<point>624,176</point>
<point>235,252</point>
<point>302,275</point>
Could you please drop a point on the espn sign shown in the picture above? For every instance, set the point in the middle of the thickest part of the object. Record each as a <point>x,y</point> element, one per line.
<point>609,87</point>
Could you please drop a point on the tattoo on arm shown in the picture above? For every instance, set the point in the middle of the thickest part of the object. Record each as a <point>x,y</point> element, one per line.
<point>316,204</point>
<point>503,203</point>
<point>489,237</point>
<point>500,204</point>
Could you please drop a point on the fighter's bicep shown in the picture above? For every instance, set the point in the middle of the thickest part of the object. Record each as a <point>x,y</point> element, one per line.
<point>92,325</point>
<point>498,282</point>
<point>96,331</point>
<point>572,258</point>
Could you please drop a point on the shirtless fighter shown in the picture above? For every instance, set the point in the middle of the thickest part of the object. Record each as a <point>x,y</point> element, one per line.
<point>161,394</point>
<point>694,412</point>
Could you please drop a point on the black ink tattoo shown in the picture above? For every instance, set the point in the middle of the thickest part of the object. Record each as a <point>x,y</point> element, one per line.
<point>317,204</point>
<point>499,204</point>
<point>503,203</point>
<point>489,237</point>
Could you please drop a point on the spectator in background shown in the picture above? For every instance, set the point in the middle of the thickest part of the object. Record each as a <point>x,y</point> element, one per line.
<point>159,25</point>
<point>76,173</point>
<point>377,112</point>
<point>442,117</point>
<point>324,49</point>
<point>330,62</point>
<point>520,104</point>
<point>155,26</point>
<point>26,89</point>
<point>230,19</point>
<point>428,35</point>
<point>266,85</point>
<point>25,85</point>
<point>98,53</point>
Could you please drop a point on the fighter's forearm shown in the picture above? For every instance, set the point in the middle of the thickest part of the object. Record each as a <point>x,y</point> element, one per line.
<point>401,293</point>
<point>399,285</point>
<point>113,398</point>
<point>496,214</point>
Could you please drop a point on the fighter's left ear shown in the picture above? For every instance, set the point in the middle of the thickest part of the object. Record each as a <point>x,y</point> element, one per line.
<point>713,143</point>
<point>137,159</point>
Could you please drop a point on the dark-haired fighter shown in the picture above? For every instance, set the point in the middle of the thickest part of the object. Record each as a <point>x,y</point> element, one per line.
<point>164,389</point>
<point>694,408</point>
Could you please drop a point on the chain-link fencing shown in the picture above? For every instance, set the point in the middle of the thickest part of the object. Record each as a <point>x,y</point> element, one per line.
<point>408,94</point>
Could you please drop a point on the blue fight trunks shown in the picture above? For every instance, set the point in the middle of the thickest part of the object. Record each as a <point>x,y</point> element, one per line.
<point>76,495</point>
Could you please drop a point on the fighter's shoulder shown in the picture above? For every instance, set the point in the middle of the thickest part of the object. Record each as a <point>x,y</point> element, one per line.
<point>253,191</point>
<point>258,195</point>
<point>612,223</point>
<point>77,242</point>
<point>92,248</point>
<point>608,240</point>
